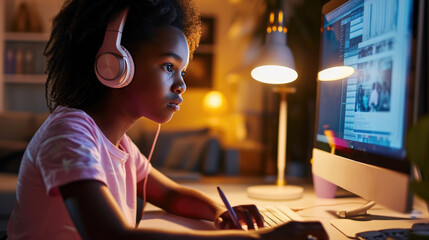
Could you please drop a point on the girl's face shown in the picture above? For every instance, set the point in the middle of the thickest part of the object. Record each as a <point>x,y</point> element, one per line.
<point>157,88</point>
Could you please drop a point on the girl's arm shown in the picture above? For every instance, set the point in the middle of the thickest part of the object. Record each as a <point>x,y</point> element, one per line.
<point>96,216</point>
<point>180,200</point>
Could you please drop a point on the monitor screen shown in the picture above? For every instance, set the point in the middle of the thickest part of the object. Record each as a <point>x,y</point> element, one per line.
<point>366,114</point>
<point>362,120</point>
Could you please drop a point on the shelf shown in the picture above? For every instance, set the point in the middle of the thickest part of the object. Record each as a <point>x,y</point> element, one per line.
<point>25,78</point>
<point>26,36</point>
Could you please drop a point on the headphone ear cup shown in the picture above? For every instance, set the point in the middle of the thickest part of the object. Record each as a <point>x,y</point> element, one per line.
<point>130,69</point>
<point>113,70</point>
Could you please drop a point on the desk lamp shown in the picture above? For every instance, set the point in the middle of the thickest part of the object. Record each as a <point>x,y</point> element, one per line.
<point>275,65</point>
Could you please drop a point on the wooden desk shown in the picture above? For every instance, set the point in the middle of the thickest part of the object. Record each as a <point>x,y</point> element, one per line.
<point>309,206</point>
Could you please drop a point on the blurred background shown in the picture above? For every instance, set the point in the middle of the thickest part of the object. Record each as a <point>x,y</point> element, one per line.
<point>228,122</point>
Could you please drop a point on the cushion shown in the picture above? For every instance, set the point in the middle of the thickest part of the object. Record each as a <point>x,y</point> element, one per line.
<point>185,153</point>
<point>164,143</point>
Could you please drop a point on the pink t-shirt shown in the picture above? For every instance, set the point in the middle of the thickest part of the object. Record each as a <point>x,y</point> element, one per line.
<point>69,147</point>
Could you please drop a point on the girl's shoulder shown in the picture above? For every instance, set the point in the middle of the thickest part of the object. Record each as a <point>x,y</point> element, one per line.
<point>66,120</point>
<point>70,115</point>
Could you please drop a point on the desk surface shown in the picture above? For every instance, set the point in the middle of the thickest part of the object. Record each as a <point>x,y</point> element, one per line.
<point>309,207</point>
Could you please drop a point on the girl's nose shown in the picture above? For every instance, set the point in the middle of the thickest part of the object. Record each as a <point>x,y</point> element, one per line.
<point>179,87</point>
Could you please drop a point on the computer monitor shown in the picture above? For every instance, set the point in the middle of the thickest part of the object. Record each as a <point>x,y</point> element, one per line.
<point>362,120</point>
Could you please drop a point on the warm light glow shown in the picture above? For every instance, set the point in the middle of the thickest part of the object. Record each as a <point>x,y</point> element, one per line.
<point>274,28</point>
<point>214,101</point>
<point>280,17</point>
<point>271,17</point>
<point>274,74</point>
<point>280,29</point>
<point>335,73</point>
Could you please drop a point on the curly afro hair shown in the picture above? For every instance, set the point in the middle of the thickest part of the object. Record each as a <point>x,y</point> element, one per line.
<point>78,32</point>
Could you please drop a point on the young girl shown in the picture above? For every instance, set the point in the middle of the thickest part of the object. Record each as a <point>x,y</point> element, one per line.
<point>81,173</point>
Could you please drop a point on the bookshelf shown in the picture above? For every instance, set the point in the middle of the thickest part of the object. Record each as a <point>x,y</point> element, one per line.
<point>22,64</point>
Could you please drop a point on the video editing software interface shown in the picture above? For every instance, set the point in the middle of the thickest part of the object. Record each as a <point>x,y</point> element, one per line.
<point>367,111</point>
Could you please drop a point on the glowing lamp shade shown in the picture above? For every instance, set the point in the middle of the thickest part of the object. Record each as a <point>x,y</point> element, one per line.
<point>274,74</point>
<point>275,63</point>
<point>335,73</point>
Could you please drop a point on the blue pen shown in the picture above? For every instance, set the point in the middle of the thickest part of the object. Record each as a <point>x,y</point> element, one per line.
<point>230,210</point>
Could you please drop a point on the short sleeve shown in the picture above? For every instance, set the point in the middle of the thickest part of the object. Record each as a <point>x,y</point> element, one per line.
<point>69,152</point>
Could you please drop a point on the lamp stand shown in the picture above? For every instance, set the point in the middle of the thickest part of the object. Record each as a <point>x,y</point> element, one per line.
<point>280,191</point>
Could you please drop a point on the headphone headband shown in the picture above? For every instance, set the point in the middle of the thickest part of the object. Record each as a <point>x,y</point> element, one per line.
<point>114,66</point>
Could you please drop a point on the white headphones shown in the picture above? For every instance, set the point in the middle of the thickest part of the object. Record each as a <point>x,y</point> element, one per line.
<point>114,65</point>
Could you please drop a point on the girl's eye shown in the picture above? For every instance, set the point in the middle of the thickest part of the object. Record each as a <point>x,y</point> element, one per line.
<point>168,67</point>
<point>183,73</point>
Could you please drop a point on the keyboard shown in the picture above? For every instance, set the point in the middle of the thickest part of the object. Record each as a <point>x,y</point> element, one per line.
<point>393,234</point>
<point>275,215</point>
<point>418,230</point>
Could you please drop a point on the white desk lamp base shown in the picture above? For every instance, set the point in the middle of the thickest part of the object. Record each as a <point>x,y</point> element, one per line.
<point>274,192</point>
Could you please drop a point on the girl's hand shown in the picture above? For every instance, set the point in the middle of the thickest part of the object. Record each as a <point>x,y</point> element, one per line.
<point>248,216</point>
